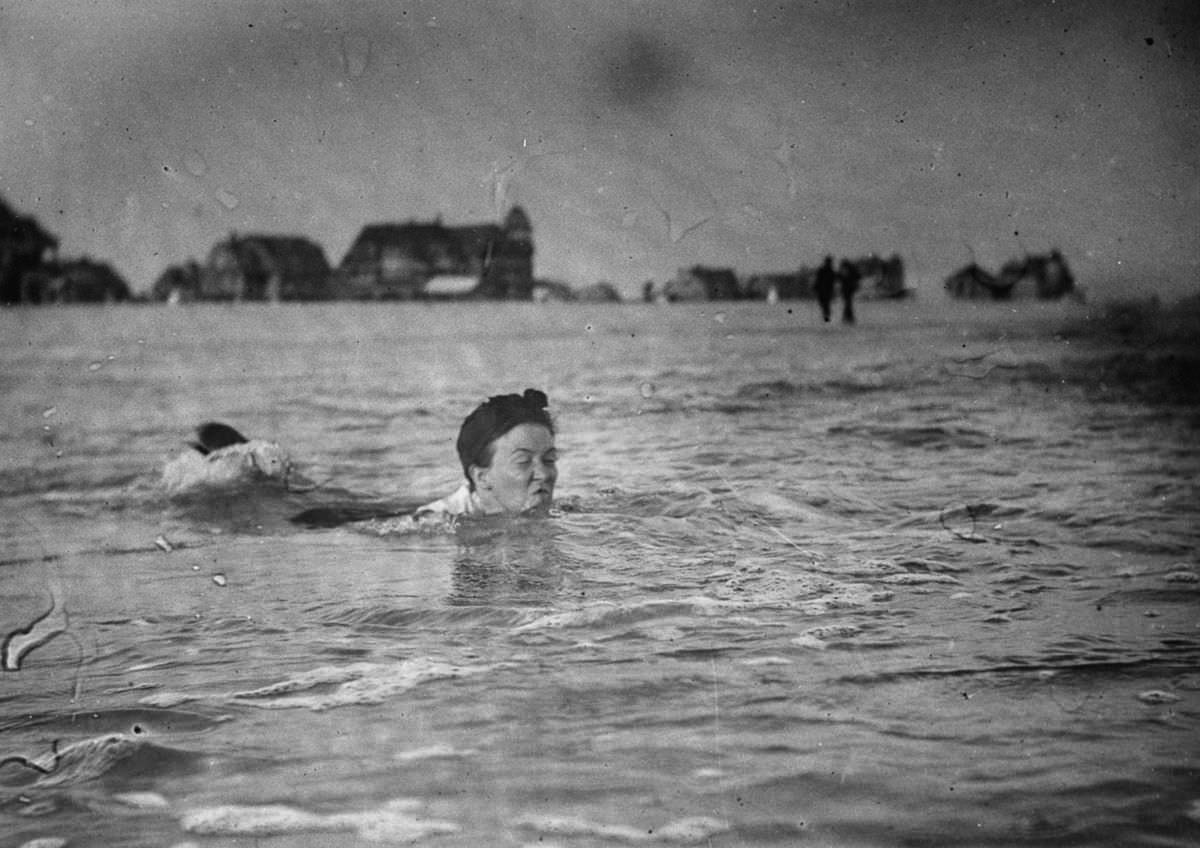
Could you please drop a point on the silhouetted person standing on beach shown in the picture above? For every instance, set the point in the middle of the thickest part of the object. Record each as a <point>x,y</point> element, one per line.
<point>849,277</point>
<point>824,284</point>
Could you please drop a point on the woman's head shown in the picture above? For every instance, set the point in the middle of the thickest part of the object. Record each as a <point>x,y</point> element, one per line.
<point>507,451</point>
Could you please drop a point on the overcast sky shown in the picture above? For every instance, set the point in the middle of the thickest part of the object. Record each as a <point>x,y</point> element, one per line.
<point>639,136</point>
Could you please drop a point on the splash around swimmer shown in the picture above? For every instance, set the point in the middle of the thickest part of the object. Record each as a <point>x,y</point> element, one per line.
<point>506,447</point>
<point>221,458</point>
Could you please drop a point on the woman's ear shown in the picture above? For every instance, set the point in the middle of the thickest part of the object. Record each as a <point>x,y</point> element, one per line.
<point>479,476</point>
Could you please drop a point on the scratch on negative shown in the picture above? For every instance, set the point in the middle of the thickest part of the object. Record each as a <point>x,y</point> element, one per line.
<point>21,641</point>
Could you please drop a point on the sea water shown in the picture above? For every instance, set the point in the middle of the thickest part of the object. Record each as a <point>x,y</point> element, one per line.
<point>931,579</point>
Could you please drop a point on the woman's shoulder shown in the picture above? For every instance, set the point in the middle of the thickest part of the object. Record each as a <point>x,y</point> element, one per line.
<point>433,517</point>
<point>459,502</point>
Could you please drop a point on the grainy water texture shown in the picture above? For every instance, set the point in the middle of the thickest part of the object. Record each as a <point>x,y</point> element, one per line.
<point>926,580</point>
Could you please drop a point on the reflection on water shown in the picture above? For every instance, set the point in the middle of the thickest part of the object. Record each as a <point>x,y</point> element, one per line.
<point>931,579</point>
<point>518,564</point>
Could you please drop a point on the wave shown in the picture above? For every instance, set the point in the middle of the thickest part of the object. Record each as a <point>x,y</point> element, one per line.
<point>1180,664</point>
<point>329,687</point>
<point>937,437</point>
<point>96,757</point>
<point>393,617</point>
<point>731,593</point>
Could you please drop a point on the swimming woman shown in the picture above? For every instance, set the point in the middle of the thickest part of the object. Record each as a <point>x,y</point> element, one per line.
<point>506,447</point>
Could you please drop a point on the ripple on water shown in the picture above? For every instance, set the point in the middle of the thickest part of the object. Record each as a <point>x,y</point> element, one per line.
<point>122,720</point>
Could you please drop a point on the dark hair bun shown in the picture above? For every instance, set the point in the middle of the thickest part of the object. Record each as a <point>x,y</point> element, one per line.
<point>536,398</point>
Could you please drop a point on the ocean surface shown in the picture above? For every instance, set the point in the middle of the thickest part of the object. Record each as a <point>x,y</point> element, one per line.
<point>931,579</point>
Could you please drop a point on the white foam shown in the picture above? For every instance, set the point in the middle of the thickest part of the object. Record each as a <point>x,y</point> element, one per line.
<point>389,823</point>
<point>818,637</point>
<point>86,759</point>
<point>1157,696</point>
<point>917,578</point>
<point>832,631</point>
<point>767,660</point>
<point>682,831</point>
<point>432,752</point>
<point>603,613</point>
<point>142,800</point>
<point>225,467</point>
<point>268,820</point>
<point>166,699</point>
<point>356,684</point>
<point>689,830</point>
<point>573,826</point>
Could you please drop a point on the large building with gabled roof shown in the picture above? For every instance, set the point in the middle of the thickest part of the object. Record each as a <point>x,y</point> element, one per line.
<point>399,261</point>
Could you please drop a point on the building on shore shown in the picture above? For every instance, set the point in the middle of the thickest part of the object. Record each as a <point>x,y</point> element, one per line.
<point>1034,276</point>
<point>80,280</point>
<point>882,278</point>
<point>27,253</point>
<point>178,283</point>
<point>417,260</point>
<point>550,291</point>
<point>31,271</point>
<point>1044,276</point>
<point>974,282</point>
<point>782,285</point>
<point>878,279</point>
<point>699,282</point>
<point>263,267</point>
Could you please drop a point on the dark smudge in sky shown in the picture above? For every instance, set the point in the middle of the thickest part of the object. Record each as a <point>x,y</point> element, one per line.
<point>639,70</point>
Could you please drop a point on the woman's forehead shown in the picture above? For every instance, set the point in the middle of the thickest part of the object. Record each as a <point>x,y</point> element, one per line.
<point>527,436</point>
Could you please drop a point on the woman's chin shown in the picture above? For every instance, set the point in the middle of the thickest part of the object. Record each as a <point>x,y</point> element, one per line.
<point>540,502</point>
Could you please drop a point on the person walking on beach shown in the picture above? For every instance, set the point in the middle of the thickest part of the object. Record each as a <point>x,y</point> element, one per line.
<point>824,285</point>
<point>849,278</point>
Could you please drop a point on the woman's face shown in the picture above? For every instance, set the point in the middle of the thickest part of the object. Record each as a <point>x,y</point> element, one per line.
<point>522,474</point>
